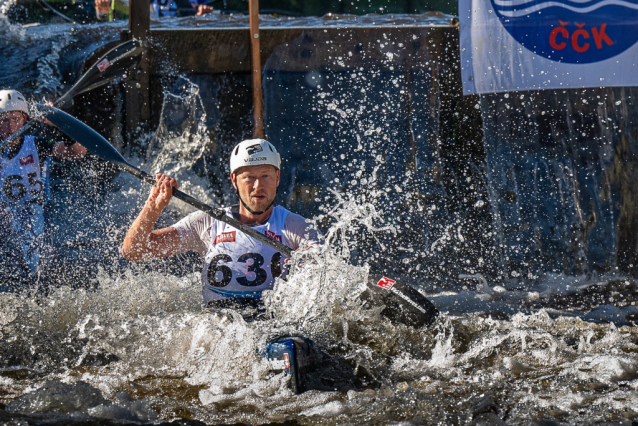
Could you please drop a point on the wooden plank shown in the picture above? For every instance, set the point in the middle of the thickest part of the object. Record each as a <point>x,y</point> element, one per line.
<point>138,108</point>
<point>258,99</point>
<point>223,50</point>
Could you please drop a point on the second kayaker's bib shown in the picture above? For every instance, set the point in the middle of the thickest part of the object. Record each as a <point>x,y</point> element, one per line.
<point>238,266</point>
<point>20,176</point>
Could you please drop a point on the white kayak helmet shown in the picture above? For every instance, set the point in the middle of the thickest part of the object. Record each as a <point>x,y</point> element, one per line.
<point>12,100</point>
<point>254,152</point>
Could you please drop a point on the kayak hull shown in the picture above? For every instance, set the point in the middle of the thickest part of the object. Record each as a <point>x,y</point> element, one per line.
<point>295,356</point>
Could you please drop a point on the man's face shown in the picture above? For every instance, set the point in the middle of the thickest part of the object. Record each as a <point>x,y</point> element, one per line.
<point>11,122</point>
<point>257,185</point>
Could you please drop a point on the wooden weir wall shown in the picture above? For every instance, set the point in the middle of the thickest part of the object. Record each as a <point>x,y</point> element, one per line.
<point>415,122</point>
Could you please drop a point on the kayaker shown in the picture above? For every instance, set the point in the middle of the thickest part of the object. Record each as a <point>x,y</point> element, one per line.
<point>24,169</point>
<point>237,268</point>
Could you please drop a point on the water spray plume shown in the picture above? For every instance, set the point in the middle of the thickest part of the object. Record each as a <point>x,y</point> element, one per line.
<point>405,304</point>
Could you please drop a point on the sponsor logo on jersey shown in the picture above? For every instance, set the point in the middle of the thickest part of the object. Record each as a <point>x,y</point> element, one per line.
<point>273,236</point>
<point>225,237</point>
<point>254,148</point>
<point>26,160</point>
<point>572,31</point>
<point>287,363</point>
<point>103,64</point>
<point>386,283</point>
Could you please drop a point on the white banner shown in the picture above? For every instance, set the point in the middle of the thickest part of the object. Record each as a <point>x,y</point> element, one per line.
<point>509,45</point>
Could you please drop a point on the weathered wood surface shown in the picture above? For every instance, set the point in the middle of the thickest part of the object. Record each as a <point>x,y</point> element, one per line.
<point>299,49</point>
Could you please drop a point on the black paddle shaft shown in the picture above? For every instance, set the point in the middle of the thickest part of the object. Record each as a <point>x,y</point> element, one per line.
<point>402,303</point>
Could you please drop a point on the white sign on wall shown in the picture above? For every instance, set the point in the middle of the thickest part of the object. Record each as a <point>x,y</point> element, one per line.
<point>510,45</point>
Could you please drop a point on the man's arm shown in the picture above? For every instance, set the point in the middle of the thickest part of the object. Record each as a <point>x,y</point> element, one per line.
<point>102,9</point>
<point>63,151</point>
<point>142,242</point>
<point>53,143</point>
<point>203,9</point>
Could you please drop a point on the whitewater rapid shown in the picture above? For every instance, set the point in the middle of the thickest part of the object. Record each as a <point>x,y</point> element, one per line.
<point>122,342</point>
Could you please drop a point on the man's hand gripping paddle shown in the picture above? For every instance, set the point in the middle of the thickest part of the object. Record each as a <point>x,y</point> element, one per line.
<point>110,66</point>
<point>403,303</point>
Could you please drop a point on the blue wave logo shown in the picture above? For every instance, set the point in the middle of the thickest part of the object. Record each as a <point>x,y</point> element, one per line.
<point>572,31</point>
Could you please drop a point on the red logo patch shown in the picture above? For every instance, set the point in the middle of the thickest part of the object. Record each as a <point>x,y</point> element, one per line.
<point>273,236</point>
<point>103,64</point>
<point>386,283</point>
<point>226,237</point>
<point>287,363</point>
<point>26,160</point>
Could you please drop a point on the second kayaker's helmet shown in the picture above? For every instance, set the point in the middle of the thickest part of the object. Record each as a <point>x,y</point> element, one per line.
<point>254,152</point>
<point>12,100</point>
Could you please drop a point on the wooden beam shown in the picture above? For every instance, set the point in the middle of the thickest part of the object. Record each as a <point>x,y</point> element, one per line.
<point>139,19</point>
<point>258,98</point>
<point>138,108</point>
<point>298,49</point>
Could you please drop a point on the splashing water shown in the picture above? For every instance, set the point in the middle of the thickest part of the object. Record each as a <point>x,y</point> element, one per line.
<point>4,7</point>
<point>141,332</point>
<point>6,28</point>
<point>180,141</point>
<point>443,351</point>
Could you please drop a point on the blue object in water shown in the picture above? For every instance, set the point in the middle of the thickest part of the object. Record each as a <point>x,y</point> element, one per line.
<point>295,356</point>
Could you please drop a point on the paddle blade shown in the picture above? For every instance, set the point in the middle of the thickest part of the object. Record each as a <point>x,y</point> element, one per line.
<point>114,63</point>
<point>110,66</point>
<point>80,132</point>
<point>107,68</point>
<point>403,303</point>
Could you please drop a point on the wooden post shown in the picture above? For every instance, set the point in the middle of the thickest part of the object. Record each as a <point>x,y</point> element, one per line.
<point>258,98</point>
<point>138,108</point>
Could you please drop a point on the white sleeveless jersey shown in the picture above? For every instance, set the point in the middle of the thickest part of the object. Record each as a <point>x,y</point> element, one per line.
<point>20,176</point>
<point>238,266</point>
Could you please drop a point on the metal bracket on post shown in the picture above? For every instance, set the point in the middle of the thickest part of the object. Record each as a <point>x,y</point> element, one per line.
<point>138,108</point>
<point>258,98</point>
